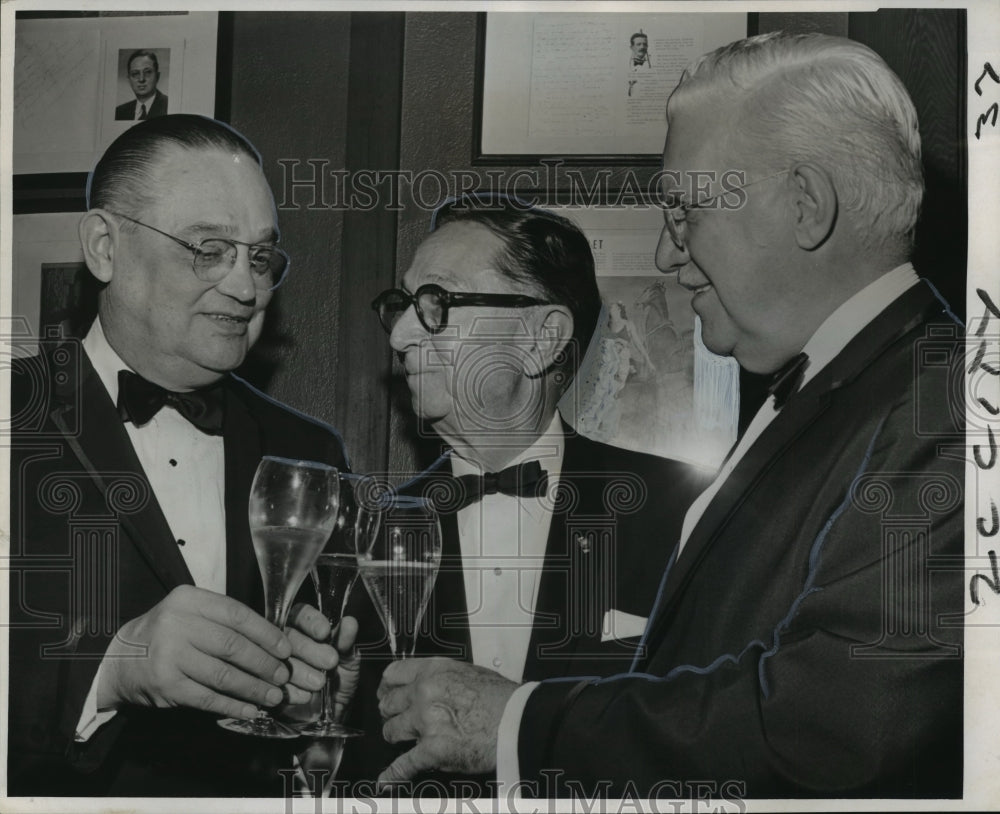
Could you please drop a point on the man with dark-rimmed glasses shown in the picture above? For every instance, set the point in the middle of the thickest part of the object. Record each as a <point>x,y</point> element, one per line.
<point>551,540</point>
<point>137,617</point>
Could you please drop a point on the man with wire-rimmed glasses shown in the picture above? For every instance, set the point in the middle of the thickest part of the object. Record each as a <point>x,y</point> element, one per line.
<point>131,633</point>
<point>552,541</point>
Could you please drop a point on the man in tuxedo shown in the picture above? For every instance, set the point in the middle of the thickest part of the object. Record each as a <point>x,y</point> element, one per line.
<point>552,542</point>
<point>143,77</point>
<point>807,638</point>
<point>136,599</point>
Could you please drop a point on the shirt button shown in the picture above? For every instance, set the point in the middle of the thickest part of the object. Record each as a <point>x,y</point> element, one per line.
<point>498,571</point>
<point>497,661</point>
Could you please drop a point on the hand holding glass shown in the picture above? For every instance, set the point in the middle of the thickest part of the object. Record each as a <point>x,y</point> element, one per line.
<point>334,575</point>
<point>293,510</point>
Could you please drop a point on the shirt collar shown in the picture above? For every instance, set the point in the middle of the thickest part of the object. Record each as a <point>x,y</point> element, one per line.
<point>547,449</point>
<point>105,360</point>
<point>853,315</point>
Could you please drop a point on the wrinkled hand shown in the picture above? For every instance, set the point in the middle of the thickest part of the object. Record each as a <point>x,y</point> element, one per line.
<point>199,649</point>
<point>453,710</point>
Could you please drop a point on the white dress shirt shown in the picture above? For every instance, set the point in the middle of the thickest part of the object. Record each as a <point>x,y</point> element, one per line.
<point>186,471</point>
<point>503,540</point>
<point>829,339</point>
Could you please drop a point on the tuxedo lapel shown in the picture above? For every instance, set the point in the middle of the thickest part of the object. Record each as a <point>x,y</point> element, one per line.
<point>446,623</point>
<point>801,410</point>
<point>105,450</point>
<point>450,619</point>
<point>242,438</point>
<point>566,601</point>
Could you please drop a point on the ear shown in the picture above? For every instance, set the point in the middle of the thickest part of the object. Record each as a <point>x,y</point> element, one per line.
<point>553,335</point>
<point>98,241</point>
<point>816,205</point>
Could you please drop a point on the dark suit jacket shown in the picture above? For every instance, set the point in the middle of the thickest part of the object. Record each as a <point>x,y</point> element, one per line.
<point>614,527</point>
<point>158,107</point>
<point>90,550</point>
<point>807,642</point>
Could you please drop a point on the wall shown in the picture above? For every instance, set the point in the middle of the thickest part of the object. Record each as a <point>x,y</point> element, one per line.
<point>379,91</point>
<point>291,102</point>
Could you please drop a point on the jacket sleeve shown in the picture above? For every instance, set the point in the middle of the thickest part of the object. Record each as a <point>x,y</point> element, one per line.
<point>856,692</point>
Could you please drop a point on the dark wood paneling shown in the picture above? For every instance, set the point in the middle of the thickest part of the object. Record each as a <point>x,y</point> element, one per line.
<point>927,49</point>
<point>369,242</point>
<point>289,90</point>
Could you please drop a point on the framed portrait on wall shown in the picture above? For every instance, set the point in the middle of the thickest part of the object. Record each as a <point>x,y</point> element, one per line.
<point>79,82</point>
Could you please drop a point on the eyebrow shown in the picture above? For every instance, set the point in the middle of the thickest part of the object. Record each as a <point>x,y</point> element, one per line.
<point>216,229</point>
<point>443,280</point>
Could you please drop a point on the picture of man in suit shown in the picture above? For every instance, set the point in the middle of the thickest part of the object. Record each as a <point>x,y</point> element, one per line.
<point>804,641</point>
<point>552,543</point>
<point>136,602</point>
<point>639,59</point>
<point>143,73</point>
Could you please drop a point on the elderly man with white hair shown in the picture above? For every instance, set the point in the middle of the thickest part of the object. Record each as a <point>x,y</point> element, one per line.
<point>804,640</point>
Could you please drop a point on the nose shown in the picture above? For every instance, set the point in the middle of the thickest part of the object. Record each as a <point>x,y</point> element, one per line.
<point>670,257</point>
<point>239,282</point>
<point>407,331</point>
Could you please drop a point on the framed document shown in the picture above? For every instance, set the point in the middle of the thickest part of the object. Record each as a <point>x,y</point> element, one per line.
<point>587,87</point>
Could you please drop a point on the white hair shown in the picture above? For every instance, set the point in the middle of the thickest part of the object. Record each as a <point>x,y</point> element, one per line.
<point>830,100</point>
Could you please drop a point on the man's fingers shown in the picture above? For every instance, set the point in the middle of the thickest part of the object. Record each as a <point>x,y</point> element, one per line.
<point>310,621</point>
<point>318,655</point>
<point>233,647</point>
<point>347,632</point>
<point>402,672</point>
<point>305,676</point>
<point>193,694</point>
<point>225,680</point>
<point>399,728</point>
<point>228,612</point>
<point>395,701</point>
<point>406,766</point>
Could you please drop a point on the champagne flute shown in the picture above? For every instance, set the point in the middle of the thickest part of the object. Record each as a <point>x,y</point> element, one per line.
<point>398,558</point>
<point>334,575</point>
<point>293,509</point>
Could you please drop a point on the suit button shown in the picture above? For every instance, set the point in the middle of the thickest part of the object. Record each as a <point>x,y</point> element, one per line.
<point>497,662</point>
<point>498,571</point>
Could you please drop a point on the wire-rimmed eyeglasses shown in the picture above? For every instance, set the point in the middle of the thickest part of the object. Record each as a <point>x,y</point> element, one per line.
<point>675,212</point>
<point>214,258</point>
<point>432,303</point>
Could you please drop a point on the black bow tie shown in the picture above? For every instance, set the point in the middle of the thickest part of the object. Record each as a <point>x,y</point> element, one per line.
<point>527,479</point>
<point>787,379</point>
<point>139,400</point>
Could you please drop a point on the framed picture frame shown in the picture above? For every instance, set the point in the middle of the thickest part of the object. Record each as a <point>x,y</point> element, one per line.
<point>589,88</point>
<point>52,288</point>
<point>73,94</point>
<point>646,381</point>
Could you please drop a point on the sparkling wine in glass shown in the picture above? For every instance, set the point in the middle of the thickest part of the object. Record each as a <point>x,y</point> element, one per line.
<point>293,510</point>
<point>334,575</point>
<point>398,559</point>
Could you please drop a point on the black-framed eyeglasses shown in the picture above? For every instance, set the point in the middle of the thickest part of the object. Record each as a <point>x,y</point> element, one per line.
<point>432,303</point>
<point>214,258</point>
<point>675,212</point>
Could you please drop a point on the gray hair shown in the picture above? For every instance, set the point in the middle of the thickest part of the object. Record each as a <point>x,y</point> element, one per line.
<point>813,97</point>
